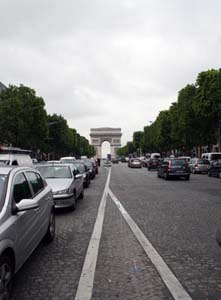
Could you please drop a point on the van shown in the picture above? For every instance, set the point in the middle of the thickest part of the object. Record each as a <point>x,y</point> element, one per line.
<point>155,155</point>
<point>12,159</point>
<point>211,156</point>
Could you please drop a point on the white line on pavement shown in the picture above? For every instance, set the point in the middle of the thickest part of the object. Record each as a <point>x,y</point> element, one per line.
<point>170,280</point>
<point>85,286</point>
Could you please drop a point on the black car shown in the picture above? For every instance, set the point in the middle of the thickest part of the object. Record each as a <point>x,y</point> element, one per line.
<point>215,169</point>
<point>152,164</point>
<point>84,170</point>
<point>173,168</point>
<point>90,166</point>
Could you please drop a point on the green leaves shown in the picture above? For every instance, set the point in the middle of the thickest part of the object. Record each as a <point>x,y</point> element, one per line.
<point>24,123</point>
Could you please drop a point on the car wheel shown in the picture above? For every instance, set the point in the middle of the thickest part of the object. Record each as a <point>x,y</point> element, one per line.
<point>81,196</point>
<point>50,234</point>
<point>209,174</point>
<point>158,175</point>
<point>6,274</point>
<point>219,175</point>
<point>187,177</point>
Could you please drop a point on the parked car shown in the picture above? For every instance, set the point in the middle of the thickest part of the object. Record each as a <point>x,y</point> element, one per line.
<point>215,169</point>
<point>67,159</point>
<point>90,167</point>
<point>12,159</point>
<point>26,217</point>
<point>66,183</point>
<point>173,167</point>
<point>134,163</point>
<point>95,165</point>
<point>199,165</point>
<point>152,164</point>
<point>84,170</point>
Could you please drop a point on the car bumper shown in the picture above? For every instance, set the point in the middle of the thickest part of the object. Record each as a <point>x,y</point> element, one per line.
<point>61,201</point>
<point>176,174</point>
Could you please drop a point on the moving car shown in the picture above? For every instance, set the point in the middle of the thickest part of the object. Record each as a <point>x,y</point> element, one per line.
<point>26,217</point>
<point>211,156</point>
<point>152,164</point>
<point>107,163</point>
<point>134,163</point>
<point>66,183</point>
<point>199,165</point>
<point>173,167</point>
<point>215,169</point>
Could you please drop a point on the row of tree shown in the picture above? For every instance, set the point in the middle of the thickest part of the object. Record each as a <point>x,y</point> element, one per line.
<point>25,123</point>
<point>191,122</point>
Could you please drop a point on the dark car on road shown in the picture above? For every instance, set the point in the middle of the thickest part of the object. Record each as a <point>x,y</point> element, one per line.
<point>215,169</point>
<point>173,168</point>
<point>152,164</point>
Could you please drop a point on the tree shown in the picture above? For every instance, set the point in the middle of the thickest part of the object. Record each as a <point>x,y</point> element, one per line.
<point>23,118</point>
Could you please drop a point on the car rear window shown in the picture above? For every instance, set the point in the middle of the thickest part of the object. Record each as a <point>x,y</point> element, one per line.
<point>178,162</point>
<point>203,162</point>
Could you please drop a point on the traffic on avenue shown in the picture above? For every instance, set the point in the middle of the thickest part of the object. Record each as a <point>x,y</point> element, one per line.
<point>122,229</point>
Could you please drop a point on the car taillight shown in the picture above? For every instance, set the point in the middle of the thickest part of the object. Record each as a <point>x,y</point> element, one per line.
<point>196,165</point>
<point>169,166</point>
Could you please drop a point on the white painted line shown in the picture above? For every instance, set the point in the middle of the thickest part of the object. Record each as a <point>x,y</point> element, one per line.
<point>85,286</point>
<point>170,280</point>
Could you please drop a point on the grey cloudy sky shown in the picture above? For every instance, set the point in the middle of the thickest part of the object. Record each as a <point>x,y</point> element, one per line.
<point>108,62</point>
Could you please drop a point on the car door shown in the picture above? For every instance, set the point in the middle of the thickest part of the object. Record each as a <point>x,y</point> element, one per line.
<point>26,223</point>
<point>78,180</point>
<point>43,197</point>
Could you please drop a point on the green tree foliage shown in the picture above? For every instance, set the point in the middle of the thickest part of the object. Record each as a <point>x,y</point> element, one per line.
<point>24,123</point>
<point>193,120</point>
<point>23,118</point>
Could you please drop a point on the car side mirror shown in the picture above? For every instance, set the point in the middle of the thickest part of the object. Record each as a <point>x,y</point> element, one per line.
<point>26,204</point>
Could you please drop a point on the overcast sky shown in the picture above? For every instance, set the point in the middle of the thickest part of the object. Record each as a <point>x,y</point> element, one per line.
<point>112,63</point>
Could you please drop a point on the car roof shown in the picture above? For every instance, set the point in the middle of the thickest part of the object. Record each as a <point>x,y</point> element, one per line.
<point>54,165</point>
<point>7,169</point>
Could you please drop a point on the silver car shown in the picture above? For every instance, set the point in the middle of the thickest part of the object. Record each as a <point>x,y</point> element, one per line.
<point>26,217</point>
<point>199,165</point>
<point>66,183</point>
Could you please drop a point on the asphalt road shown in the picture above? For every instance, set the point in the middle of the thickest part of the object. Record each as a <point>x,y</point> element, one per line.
<point>179,218</point>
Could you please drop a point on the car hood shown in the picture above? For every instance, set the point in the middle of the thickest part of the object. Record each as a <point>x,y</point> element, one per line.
<point>58,184</point>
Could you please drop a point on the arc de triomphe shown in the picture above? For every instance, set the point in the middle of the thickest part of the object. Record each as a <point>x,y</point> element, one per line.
<point>106,134</point>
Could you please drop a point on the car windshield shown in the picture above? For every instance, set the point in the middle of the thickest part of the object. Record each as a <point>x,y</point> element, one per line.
<point>178,162</point>
<point>55,171</point>
<point>3,178</point>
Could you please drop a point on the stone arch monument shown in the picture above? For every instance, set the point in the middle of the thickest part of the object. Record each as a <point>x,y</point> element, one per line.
<point>106,134</point>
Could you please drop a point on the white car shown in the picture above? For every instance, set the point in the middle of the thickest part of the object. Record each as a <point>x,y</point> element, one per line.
<point>65,181</point>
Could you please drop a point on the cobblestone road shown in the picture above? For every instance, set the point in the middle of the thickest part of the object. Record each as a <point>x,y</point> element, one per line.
<point>178,217</point>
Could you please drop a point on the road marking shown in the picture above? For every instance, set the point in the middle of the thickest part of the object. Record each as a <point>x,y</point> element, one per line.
<point>170,280</point>
<point>85,286</point>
